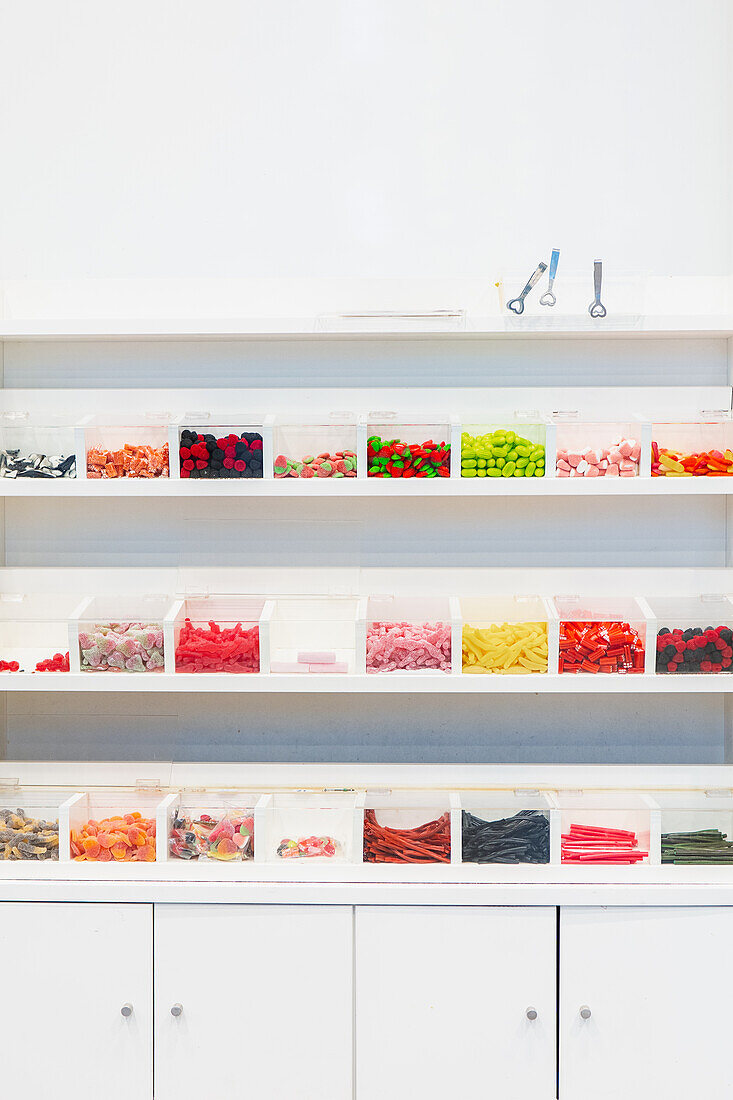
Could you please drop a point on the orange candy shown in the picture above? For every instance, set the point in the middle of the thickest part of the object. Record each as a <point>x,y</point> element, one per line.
<point>130,461</point>
<point>122,839</point>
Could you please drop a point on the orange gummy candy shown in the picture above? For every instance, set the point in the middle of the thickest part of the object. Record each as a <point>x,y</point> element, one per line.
<point>91,847</point>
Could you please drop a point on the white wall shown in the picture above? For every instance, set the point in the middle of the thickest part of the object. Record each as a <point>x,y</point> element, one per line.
<point>368,138</point>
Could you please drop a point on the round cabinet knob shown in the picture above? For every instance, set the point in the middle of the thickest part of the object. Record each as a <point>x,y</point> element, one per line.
<point>585,1013</point>
<point>177,1010</point>
<point>531,1013</point>
<point>126,1010</point>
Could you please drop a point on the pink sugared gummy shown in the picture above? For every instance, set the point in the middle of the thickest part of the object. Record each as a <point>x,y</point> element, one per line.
<point>635,452</point>
<point>592,471</point>
<point>593,457</point>
<point>408,647</point>
<point>625,447</point>
<point>564,473</point>
<point>613,470</point>
<point>563,465</point>
<point>573,458</point>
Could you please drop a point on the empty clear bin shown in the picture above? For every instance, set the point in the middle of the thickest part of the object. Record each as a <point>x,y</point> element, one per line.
<point>699,448</point>
<point>408,633</point>
<point>34,633</point>
<point>315,634</point>
<point>217,825</point>
<point>505,826</point>
<point>694,634</point>
<point>217,451</point>
<point>33,449</point>
<point>121,634</point>
<point>601,634</point>
<point>696,827</point>
<point>504,634</point>
<point>605,827</point>
<point>404,826</point>
<point>412,448</point>
<point>29,821</point>
<point>597,448</point>
<point>301,826</point>
<point>508,449</point>
<point>216,634</point>
<point>127,451</point>
<point>315,447</point>
<point>112,825</point>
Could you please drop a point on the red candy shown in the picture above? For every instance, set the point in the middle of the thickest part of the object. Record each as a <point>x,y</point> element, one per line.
<point>593,844</point>
<point>58,663</point>
<point>9,666</point>
<point>600,647</point>
<point>218,649</point>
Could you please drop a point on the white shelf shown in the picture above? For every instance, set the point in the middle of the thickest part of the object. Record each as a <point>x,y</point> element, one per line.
<point>368,488</point>
<point>391,683</point>
<point>308,328</point>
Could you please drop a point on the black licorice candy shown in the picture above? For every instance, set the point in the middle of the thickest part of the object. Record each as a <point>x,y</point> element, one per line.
<point>522,838</point>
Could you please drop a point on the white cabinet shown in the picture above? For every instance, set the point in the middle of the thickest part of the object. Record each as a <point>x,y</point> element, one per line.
<point>264,1001</point>
<point>442,1000</point>
<point>657,985</point>
<point>67,972</point>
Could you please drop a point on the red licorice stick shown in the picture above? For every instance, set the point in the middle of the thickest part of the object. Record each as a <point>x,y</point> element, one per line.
<point>427,843</point>
<point>597,844</point>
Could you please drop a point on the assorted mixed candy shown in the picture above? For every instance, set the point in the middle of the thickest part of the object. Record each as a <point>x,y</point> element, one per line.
<point>621,459</point>
<point>594,844</point>
<point>203,455</point>
<point>308,847</point>
<point>116,647</point>
<point>325,464</point>
<point>395,458</point>
<point>228,836</point>
<point>501,454</point>
<point>408,647</point>
<point>126,838</point>
<point>14,464</point>
<point>522,838</point>
<point>507,648</point>
<point>675,463</point>
<point>428,843</point>
<point>25,837</point>
<point>700,847</point>
<point>600,647</point>
<point>131,460</point>
<point>214,648</point>
<point>695,649</point>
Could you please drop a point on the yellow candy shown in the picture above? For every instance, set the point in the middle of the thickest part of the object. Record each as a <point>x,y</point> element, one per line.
<point>505,648</point>
<point>670,463</point>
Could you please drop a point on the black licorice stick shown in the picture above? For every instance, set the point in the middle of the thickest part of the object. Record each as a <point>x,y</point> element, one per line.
<point>523,838</point>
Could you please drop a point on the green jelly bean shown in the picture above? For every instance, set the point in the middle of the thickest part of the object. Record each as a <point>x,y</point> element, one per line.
<point>522,462</point>
<point>490,462</point>
<point>537,452</point>
<point>481,463</point>
<point>523,450</point>
<point>529,469</point>
<point>513,456</point>
<point>508,469</point>
<point>481,473</point>
<point>500,462</point>
<point>510,437</point>
<point>500,452</point>
<point>540,471</point>
<point>494,472</point>
<point>469,473</point>
<point>519,472</point>
<point>468,462</point>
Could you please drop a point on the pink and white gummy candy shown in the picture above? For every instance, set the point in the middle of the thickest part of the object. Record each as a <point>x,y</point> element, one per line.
<point>621,459</point>
<point>408,647</point>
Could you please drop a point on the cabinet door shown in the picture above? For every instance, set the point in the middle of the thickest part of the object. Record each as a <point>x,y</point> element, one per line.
<point>442,995</point>
<point>265,993</point>
<point>67,972</point>
<point>657,983</point>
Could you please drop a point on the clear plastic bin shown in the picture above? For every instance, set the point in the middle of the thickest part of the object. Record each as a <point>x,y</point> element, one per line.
<point>30,449</point>
<point>297,827</point>
<point>510,826</point>
<point>313,634</point>
<point>127,451</point>
<point>408,633</point>
<point>413,448</point>
<point>218,451</point>
<point>316,446</point>
<point>112,825</point>
<point>121,634</point>
<point>694,634</point>
<point>216,634</point>
<point>29,822</point>
<point>597,448</point>
<point>505,634</point>
<point>601,634</point>
<point>34,633</point>
<point>700,448</point>
<point>215,825</point>
<point>508,448</point>
<point>405,826</point>
<point>612,828</point>
<point>696,827</point>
